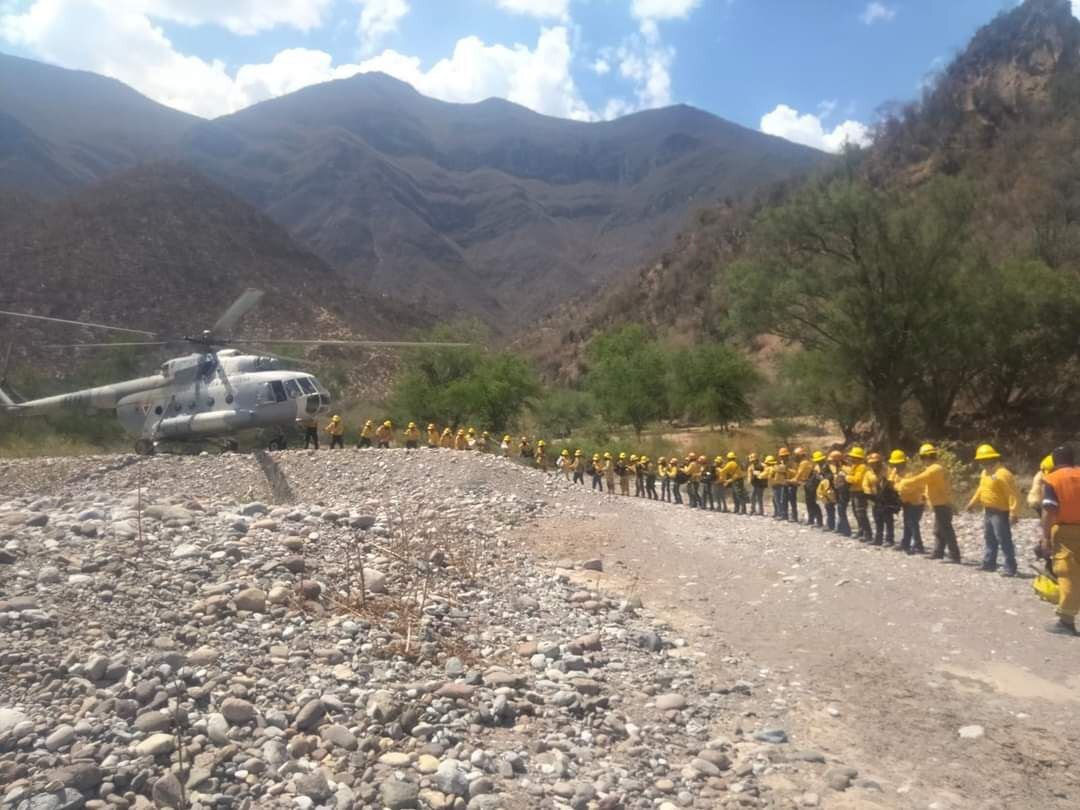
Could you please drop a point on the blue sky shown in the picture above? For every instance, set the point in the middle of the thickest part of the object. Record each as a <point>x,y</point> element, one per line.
<point>811,70</point>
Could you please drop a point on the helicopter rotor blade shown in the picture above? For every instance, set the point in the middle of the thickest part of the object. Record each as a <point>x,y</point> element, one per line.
<point>240,307</point>
<point>106,345</point>
<point>87,324</point>
<point>395,344</point>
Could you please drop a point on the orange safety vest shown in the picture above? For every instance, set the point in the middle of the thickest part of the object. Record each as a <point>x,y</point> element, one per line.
<point>1066,485</point>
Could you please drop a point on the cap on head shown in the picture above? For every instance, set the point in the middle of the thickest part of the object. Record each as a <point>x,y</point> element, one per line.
<point>731,456</point>
<point>770,460</point>
<point>836,455</point>
<point>1064,456</point>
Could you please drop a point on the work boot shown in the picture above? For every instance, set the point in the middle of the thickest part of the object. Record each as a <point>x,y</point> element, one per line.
<point>1062,627</point>
<point>1008,572</point>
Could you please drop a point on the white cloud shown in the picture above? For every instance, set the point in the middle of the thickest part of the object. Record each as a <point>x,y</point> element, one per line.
<point>126,45</point>
<point>1076,8</point>
<point>877,11</point>
<point>662,9</point>
<point>538,78</point>
<point>541,9</point>
<point>378,19</point>
<point>809,130</point>
<point>602,67</point>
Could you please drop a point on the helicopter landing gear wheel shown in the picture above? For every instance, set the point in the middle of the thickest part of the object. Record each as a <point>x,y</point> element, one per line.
<point>231,446</point>
<point>144,447</point>
<point>278,444</point>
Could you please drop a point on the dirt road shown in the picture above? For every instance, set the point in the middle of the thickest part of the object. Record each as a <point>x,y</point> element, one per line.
<point>878,659</point>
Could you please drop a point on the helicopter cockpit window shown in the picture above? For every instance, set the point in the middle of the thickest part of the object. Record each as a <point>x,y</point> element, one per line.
<point>277,392</point>
<point>292,389</point>
<point>306,385</point>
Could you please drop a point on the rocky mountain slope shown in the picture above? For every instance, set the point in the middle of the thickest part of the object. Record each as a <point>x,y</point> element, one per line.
<point>163,249</point>
<point>484,208</point>
<point>1004,115</point>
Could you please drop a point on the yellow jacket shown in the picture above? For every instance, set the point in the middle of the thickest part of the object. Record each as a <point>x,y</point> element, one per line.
<point>871,482</point>
<point>412,434</point>
<point>661,470</point>
<point>731,472</point>
<point>935,482</point>
<point>383,433</point>
<point>433,437</point>
<point>367,431</point>
<point>910,495</point>
<point>335,428</point>
<point>825,491</point>
<point>855,477</point>
<point>672,471</point>
<point>693,469</point>
<point>461,442</point>
<point>804,471</point>
<point>997,490</point>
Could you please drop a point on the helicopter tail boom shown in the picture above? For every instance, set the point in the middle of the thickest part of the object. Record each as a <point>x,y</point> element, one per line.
<point>8,399</point>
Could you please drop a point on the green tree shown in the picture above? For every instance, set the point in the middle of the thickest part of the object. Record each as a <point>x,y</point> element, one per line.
<point>626,377</point>
<point>455,385</point>
<point>561,411</point>
<point>712,383</point>
<point>814,383</point>
<point>857,272</point>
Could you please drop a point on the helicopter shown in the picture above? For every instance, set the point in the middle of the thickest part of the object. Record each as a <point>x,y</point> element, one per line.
<point>214,392</point>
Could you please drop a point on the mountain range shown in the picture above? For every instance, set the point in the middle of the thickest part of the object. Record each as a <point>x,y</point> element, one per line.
<point>483,209</point>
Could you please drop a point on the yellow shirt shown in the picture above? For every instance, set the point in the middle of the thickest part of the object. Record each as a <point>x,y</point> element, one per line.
<point>412,435</point>
<point>825,491</point>
<point>336,428</point>
<point>433,437</point>
<point>661,470</point>
<point>731,472</point>
<point>804,471</point>
<point>997,490</point>
<point>693,470</point>
<point>383,433</point>
<point>367,431</point>
<point>935,482</point>
<point>910,494</point>
<point>855,477</point>
<point>871,482</point>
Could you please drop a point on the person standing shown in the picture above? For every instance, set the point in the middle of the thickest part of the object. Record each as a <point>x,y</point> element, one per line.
<point>838,472</point>
<point>596,472</point>
<point>826,497</point>
<point>1061,535</point>
<point>336,430</point>
<point>623,475</point>
<point>757,474</point>
<point>860,504</point>
<point>665,482</point>
<point>525,448</point>
<point>579,467</point>
<point>541,456</point>
<point>708,478</point>
<point>506,447</point>
<point>934,481</point>
<point>911,503</point>
<point>311,431</point>
<point>609,473</point>
<point>446,441</point>
<point>678,478</point>
<point>650,478</point>
<point>1035,494</point>
<point>367,433</point>
<point>811,478</point>
<point>694,466</point>
<point>871,487</point>
<point>432,436</point>
<point>774,474</point>
<point>732,477</point>
<point>384,435</point>
<point>412,436</point>
<point>1000,501</point>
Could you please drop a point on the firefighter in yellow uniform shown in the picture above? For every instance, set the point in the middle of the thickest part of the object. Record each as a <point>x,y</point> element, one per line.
<point>665,482</point>
<point>432,436</point>
<point>461,442</point>
<point>579,467</point>
<point>777,475</point>
<point>311,431</point>
<point>412,436</point>
<point>860,505</point>
<point>1061,535</point>
<point>801,471</point>
<point>565,464</point>
<point>609,473</point>
<point>367,434</point>
<point>384,434</point>
<point>446,441</point>
<point>335,429</point>
<point>596,472</point>
<point>1000,500</point>
<point>541,457</point>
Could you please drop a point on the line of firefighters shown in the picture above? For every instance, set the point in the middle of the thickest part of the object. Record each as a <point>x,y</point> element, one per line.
<point>875,489</point>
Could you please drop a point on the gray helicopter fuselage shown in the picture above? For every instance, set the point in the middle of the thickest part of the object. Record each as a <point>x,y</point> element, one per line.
<point>201,396</point>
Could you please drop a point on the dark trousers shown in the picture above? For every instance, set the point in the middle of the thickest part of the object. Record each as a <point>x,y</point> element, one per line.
<point>791,499</point>
<point>779,503</point>
<point>843,498</point>
<point>364,442</point>
<point>598,482</point>
<point>883,524</point>
<point>738,497</point>
<point>579,476</point>
<point>757,501</point>
<point>944,534</point>
<point>650,488</point>
<point>998,532</point>
<point>411,445</point>
<point>665,489</point>
<point>813,511</point>
<point>311,437</point>
<point>912,536</point>
<point>676,491</point>
<point>830,516</point>
<point>707,499</point>
<point>693,491</point>
<point>860,505</point>
<point>384,445</point>
<point>337,442</point>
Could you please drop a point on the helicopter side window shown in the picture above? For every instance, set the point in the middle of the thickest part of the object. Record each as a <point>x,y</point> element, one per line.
<point>277,392</point>
<point>292,389</point>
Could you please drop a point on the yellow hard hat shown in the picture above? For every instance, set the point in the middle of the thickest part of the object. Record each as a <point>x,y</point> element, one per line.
<point>577,453</point>
<point>818,457</point>
<point>446,431</point>
<point>412,424</point>
<point>731,456</point>
<point>661,460</point>
<point>633,456</point>
<point>524,438</point>
<point>369,422</point>
<point>506,438</point>
<point>718,459</point>
<point>622,456</point>
<point>835,456</point>
<point>565,452</point>
<point>431,426</point>
<point>644,459</point>
<point>607,455</point>
<point>927,449</point>
<point>486,435</point>
<point>596,457</point>
<point>335,418</point>
<point>783,452</point>
<point>752,457</point>
<point>898,457</point>
<point>541,443</point>
<point>461,432</point>
<point>701,458</point>
<point>857,453</point>
<point>472,431</point>
<point>770,459</point>
<point>986,453</point>
<point>1047,465</point>
<point>388,423</point>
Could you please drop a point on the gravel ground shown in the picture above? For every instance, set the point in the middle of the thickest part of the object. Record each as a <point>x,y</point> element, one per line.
<point>190,631</point>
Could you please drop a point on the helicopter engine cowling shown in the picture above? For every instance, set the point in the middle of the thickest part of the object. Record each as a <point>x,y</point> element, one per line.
<point>205,423</point>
